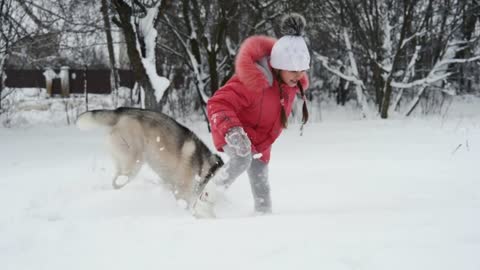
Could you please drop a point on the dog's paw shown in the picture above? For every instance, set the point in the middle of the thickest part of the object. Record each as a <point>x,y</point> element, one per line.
<point>203,208</point>
<point>204,205</point>
<point>120,181</point>
<point>203,212</point>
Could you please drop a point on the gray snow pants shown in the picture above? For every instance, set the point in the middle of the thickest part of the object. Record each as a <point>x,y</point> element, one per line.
<point>257,171</point>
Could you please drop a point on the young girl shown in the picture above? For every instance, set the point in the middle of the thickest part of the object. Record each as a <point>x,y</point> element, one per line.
<point>250,111</point>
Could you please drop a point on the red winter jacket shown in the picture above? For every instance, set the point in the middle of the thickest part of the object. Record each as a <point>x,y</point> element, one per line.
<point>251,99</point>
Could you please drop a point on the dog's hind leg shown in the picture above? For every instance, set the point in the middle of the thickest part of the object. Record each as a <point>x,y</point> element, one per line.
<point>128,157</point>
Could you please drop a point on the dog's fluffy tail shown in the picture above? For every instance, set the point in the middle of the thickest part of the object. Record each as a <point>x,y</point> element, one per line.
<point>97,118</point>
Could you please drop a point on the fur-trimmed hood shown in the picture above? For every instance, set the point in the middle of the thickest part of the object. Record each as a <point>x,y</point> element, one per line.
<point>248,66</point>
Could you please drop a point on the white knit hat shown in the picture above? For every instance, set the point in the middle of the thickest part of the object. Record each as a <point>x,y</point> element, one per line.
<point>290,52</point>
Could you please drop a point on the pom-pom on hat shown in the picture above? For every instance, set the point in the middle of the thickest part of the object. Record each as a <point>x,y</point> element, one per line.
<point>290,52</point>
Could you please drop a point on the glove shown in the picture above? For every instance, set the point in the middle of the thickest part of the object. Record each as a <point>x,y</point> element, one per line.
<point>238,140</point>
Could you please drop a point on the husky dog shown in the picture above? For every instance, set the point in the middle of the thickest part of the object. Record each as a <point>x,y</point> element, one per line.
<point>175,153</point>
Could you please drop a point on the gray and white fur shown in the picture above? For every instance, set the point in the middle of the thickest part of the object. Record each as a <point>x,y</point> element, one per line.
<point>139,136</point>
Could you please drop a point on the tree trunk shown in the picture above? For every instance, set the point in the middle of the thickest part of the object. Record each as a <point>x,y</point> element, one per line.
<point>378,83</point>
<point>469,22</point>
<point>407,20</point>
<point>342,92</point>
<point>362,100</point>
<point>212,64</point>
<point>125,15</point>
<point>1,88</point>
<point>216,43</point>
<point>114,78</point>
<point>386,98</point>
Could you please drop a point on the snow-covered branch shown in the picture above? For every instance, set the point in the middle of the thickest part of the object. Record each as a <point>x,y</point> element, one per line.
<point>193,63</point>
<point>359,87</point>
<point>431,77</point>
<point>437,73</point>
<point>460,61</point>
<point>406,40</point>
<point>354,78</point>
<point>324,61</point>
<point>409,72</point>
<point>149,33</point>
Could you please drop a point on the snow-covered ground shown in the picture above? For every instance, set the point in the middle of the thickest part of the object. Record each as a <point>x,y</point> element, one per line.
<point>348,194</point>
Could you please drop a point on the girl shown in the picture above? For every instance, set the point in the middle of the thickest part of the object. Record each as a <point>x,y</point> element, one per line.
<point>250,111</point>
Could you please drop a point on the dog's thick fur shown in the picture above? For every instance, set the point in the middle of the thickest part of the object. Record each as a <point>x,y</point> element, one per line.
<point>139,136</point>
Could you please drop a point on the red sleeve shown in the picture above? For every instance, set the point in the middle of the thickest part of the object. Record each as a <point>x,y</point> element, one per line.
<point>223,107</point>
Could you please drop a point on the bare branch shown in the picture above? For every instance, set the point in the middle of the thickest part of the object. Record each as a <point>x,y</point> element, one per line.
<point>30,13</point>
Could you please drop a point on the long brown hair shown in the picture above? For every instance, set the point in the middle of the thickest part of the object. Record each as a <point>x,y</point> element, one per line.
<point>283,114</point>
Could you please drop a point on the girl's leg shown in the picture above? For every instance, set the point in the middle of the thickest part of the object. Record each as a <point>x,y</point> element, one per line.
<point>258,174</point>
<point>233,168</point>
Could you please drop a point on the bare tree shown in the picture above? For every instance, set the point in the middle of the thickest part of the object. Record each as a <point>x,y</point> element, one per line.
<point>206,42</point>
<point>401,47</point>
<point>203,36</point>
<point>12,29</point>
<point>391,53</point>
<point>136,35</point>
<point>466,74</point>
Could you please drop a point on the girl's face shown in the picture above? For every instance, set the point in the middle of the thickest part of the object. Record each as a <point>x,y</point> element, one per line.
<point>291,77</point>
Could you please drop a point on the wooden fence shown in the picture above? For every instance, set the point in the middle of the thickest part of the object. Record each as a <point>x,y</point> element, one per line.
<point>96,81</point>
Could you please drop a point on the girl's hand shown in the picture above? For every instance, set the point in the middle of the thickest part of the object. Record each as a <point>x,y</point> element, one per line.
<point>238,140</point>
